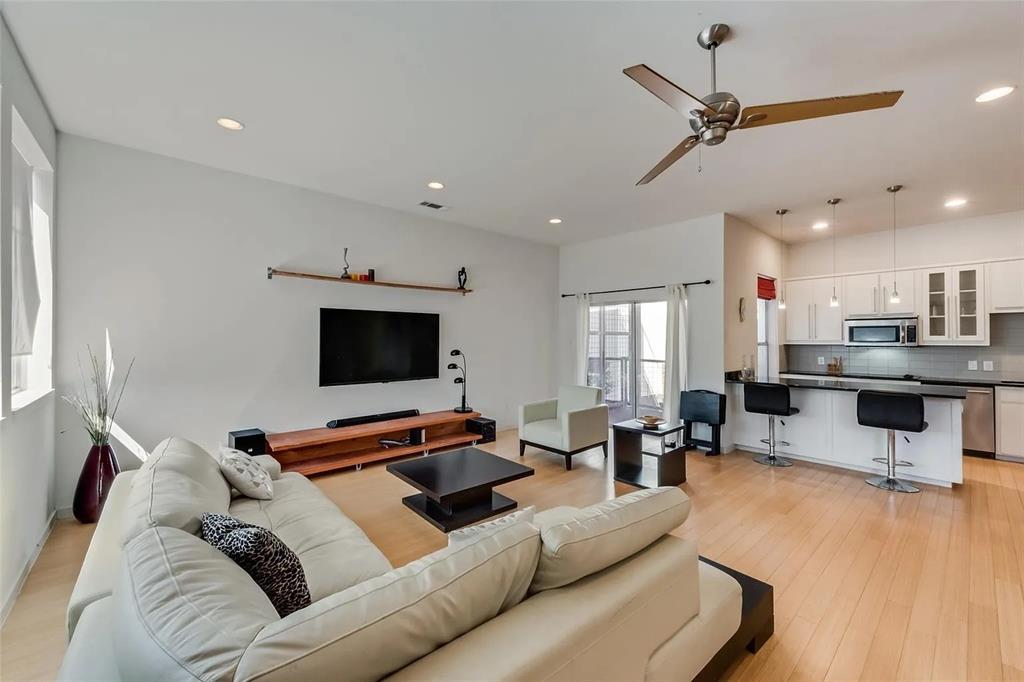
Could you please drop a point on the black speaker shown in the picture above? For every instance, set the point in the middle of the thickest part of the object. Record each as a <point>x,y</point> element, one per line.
<point>249,441</point>
<point>371,418</point>
<point>484,426</point>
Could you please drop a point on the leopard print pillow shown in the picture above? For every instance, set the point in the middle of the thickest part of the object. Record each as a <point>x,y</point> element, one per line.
<point>262,555</point>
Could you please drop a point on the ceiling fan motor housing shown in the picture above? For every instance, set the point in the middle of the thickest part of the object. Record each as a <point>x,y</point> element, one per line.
<point>713,129</point>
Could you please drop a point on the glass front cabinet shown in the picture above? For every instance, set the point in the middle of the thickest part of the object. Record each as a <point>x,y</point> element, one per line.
<point>954,305</point>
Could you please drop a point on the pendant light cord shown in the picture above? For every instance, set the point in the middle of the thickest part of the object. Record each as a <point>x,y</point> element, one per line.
<point>835,229</point>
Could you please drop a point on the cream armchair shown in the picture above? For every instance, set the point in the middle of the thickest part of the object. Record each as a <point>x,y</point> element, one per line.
<point>575,421</point>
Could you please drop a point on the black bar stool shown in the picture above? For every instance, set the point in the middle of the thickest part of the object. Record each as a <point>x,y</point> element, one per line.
<point>893,412</point>
<point>772,400</point>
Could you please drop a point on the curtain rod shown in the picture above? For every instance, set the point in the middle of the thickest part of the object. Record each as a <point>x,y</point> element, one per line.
<point>619,291</point>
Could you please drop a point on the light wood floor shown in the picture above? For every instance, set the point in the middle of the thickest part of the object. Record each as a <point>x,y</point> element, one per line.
<point>868,585</point>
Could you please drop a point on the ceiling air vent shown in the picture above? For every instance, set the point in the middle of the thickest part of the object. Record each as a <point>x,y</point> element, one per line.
<point>431,204</point>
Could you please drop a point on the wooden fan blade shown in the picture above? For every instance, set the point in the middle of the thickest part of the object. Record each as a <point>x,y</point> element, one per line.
<point>665,90</point>
<point>770,114</point>
<point>673,156</point>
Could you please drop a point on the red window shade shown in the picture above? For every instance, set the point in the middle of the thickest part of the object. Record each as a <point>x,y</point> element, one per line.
<point>766,288</point>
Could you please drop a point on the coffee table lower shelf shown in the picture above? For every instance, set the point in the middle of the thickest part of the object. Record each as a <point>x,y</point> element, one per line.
<point>461,517</point>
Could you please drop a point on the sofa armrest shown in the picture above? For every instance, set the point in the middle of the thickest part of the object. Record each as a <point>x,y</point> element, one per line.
<point>587,426</point>
<point>272,466</point>
<point>535,412</point>
<point>102,560</point>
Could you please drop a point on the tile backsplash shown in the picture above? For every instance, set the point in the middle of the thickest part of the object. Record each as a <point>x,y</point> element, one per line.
<point>1006,353</point>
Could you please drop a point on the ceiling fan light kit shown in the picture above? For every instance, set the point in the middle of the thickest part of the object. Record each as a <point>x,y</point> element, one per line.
<point>712,117</point>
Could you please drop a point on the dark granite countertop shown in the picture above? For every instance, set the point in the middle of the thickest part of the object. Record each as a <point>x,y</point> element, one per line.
<point>993,378</point>
<point>837,384</point>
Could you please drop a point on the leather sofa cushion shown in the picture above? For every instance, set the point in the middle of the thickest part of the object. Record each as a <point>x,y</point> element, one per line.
<point>175,486</point>
<point>334,552</point>
<point>579,542</point>
<point>387,622</point>
<point>601,628</point>
<point>182,609</point>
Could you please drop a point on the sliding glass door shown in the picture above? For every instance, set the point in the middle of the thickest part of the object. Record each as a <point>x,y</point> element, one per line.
<point>626,357</point>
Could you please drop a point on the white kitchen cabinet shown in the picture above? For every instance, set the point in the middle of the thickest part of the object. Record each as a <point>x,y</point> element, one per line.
<point>809,316</point>
<point>953,306</point>
<point>1010,421</point>
<point>1006,286</point>
<point>860,295</point>
<point>867,295</point>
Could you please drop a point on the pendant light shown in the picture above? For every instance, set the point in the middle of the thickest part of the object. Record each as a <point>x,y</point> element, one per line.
<point>782,261</point>
<point>894,297</point>
<point>834,301</point>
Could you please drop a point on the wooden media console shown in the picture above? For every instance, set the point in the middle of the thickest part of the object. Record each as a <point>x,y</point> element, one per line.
<point>317,451</point>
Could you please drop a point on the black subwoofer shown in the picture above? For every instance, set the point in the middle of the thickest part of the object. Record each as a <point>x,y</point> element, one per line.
<point>484,426</point>
<point>249,441</point>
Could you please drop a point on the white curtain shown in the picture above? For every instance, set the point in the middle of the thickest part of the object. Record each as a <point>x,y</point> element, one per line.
<point>582,337</point>
<point>24,285</point>
<point>676,340</point>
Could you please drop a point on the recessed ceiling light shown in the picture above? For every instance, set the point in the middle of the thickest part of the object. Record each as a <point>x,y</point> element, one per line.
<point>820,225</point>
<point>434,184</point>
<point>555,221</point>
<point>956,202</point>
<point>230,124</point>
<point>994,93</point>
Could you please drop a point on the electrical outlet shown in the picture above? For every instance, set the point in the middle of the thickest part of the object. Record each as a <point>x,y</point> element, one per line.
<point>972,364</point>
<point>988,365</point>
<point>821,360</point>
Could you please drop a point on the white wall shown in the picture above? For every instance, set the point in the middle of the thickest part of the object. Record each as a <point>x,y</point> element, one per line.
<point>172,257</point>
<point>679,252</point>
<point>975,239</point>
<point>749,252</point>
<point>26,436</point>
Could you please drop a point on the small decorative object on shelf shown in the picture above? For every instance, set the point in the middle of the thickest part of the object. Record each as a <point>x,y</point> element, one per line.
<point>344,273</point>
<point>463,277</point>
<point>371,275</point>
<point>97,405</point>
<point>462,409</point>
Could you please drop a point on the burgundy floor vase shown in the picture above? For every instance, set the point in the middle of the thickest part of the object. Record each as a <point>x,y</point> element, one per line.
<point>94,483</point>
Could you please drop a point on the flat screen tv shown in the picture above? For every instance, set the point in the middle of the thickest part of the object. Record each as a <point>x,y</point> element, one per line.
<point>373,346</point>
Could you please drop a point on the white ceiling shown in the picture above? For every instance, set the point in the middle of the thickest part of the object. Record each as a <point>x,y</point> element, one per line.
<point>522,109</point>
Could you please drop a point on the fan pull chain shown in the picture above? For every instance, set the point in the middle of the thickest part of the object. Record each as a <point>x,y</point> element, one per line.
<point>700,159</point>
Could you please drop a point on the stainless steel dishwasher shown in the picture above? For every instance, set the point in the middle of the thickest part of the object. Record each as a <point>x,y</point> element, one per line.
<point>980,422</point>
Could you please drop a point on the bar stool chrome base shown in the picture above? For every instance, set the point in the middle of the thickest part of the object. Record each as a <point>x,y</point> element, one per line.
<point>773,461</point>
<point>892,484</point>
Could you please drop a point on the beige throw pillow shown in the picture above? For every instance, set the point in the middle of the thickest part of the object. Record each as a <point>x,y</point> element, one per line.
<point>248,477</point>
<point>579,542</point>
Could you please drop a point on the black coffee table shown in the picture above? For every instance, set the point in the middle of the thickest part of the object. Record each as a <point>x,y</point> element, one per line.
<point>458,486</point>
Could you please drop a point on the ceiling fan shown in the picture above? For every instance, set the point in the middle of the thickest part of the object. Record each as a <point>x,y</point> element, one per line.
<point>712,117</point>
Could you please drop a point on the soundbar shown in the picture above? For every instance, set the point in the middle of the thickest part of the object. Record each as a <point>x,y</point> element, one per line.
<point>371,418</point>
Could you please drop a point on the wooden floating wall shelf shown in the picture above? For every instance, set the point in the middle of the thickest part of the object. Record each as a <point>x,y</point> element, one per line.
<point>394,285</point>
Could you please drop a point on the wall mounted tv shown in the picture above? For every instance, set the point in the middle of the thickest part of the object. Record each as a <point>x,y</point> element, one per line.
<point>373,346</point>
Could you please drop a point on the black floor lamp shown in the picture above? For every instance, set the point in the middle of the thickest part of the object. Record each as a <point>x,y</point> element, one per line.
<point>460,380</point>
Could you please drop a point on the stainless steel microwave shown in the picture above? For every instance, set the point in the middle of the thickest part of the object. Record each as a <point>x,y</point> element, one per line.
<point>881,331</point>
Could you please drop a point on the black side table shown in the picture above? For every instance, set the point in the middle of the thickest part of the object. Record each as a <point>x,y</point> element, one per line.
<point>663,467</point>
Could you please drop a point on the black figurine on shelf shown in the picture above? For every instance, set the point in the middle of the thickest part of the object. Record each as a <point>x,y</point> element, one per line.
<point>463,277</point>
<point>460,380</point>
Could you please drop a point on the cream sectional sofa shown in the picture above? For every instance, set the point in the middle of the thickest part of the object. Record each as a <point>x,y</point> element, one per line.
<point>602,593</point>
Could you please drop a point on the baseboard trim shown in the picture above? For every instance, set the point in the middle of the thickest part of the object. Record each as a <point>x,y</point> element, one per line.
<point>12,597</point>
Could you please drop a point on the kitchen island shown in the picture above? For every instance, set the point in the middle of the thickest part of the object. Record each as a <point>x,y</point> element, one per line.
<point>826,429</point>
